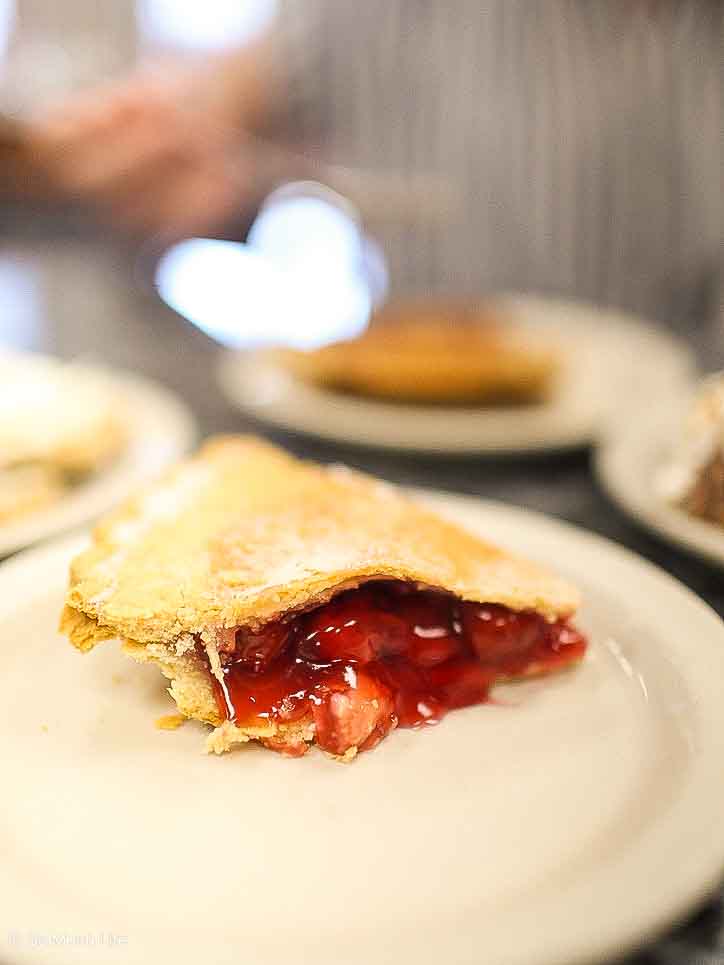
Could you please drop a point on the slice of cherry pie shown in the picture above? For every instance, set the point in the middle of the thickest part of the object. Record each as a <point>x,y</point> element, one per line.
<point>294,604</point>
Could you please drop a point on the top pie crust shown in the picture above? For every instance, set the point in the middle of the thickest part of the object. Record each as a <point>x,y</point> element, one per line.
<point>244,533</point>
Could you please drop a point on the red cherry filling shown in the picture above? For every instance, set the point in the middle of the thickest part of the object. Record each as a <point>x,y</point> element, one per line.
<point>497,633</point>
<point>380,656</point>
<point>358,716</point>
<point>256,649</point>
<point>355,626</point>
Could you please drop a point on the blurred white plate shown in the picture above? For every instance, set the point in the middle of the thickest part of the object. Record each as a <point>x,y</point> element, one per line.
<point>628,462</point>
<point>615,362</point>
<point>565,822</point>
<point>160,428</point>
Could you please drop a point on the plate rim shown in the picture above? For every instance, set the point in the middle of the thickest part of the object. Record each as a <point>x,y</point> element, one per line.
<point>608,940</point>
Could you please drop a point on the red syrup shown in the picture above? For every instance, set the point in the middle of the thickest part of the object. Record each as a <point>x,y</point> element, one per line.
<point>382,656</point>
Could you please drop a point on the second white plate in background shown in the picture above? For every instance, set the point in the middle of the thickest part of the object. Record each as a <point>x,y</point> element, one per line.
<point>628,462</point>
<point>615,363</point>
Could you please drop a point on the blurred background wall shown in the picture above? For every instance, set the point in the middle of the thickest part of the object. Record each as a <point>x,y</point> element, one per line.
<point>49,49</point>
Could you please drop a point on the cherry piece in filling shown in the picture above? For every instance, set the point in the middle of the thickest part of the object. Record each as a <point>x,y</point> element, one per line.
<point>381,656</point>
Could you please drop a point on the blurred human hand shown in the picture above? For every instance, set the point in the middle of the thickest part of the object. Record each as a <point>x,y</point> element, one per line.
<point>147,154</point>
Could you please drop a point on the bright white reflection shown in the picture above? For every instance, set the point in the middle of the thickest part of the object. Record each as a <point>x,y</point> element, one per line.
<point>21,318</point>
<point>306,228</point>
<point>244,299</point>
<point>202,25</point>
<point>7,21</point>
<point>300,280</point>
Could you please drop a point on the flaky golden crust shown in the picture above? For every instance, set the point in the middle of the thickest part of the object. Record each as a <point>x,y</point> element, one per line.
<point>433,352</point>
<point>244,533</point>
<point>189,675</point>
<point>83,632</point>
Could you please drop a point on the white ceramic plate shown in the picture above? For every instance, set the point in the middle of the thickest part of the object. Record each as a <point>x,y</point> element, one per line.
<point>161,428</point>
<point>628,463</point>
<point>614,361</point>
<point>565,822</point>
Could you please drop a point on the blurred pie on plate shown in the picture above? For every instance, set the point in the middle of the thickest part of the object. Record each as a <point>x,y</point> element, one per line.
<point>59,423</point>
<point>435,351</point>
<point>295,604</point>
<point>693,479</point>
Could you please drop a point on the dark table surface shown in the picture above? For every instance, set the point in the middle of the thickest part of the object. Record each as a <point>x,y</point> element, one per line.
<point>78,297</point>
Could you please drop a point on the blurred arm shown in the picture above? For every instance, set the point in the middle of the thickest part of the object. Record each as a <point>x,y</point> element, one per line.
<point>162,150</point>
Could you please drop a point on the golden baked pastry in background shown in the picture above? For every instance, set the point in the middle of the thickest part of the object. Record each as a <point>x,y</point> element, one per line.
<point>59,422</point>
<point>25,489</point>
<point>434,351</point>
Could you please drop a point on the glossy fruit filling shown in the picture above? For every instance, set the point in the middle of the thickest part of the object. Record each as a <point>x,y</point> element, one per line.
<point>378,657</point>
